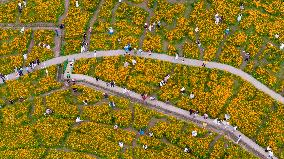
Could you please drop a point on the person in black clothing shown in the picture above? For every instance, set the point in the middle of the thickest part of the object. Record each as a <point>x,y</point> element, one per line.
<point>158,24</point>
<point>61,26</point>
<point>105,95</point>
<point>3,77</point>
<point>20,72</point>
<point>21,99</point>
<point>37,61</point>
<point>112,84</point>
<point>247,56</point>
<point>84,36</point>
<point>11,101</point>
<point>74,90</point>
<point>97,78</point>
<point>191,111</point>
<point>83,43</point>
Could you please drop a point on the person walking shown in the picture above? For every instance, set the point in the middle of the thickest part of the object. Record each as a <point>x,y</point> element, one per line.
<point>140,51</point>
<point>28,69</point>
<point>204,63</point>
<point>182,90</point>
<point>61,26</point>
<point>191,96</point>
<point>247,56</point>
<point>205,116</point>
<point>242,7</point>
<point>198,43</point>
<point>56,31</point>
<point>176,58</point>
<point>196,29</point>
<point>239,138</point>
<point>158,24</point>
<point>22,30</point>
<point>282,46</point>
<point>110,30</point>
<point>267,149</point>
<point>2,77</point>
<point>145,25</point>
<point>239,17</point>
<point>20,7</point>
<point>217,18</point>
<point>133,62</point>
<point>227,31</point>
<point>112,83</point>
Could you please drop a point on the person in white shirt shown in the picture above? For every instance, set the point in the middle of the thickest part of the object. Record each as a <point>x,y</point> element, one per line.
<point>182,90</point>
<point>191,96</point>
<point>120,144</point>
<point>282,46</point>
<point>205,116</point>
<point>126,64</point>
<point>145,147</point>
<point>270,154</point>
<point>77,4</point>
<point>176,57</point>
<point>46,71</point>
<point>20,5</point>
<point>194,133</point>
<point>22,30</point>
<point>217,18</point>
<point>186,150</point>
<point>196,29</point>
<point>239,138</point>
<point>133,62</point>
<point>25,56</point>
<point>78,120</point>
<point>268,149</point>
<point>239,17</point>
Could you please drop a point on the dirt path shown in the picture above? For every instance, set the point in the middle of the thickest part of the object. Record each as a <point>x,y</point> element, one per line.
<point>92,22</point>
<point>58,40</point>
<point>30,25</point>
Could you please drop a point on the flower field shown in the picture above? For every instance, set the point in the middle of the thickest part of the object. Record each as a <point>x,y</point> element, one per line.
<point>13,45</point>
<point>42,11</point>
<point>187,28</point>
<point>26,132</point>
<point>216,92</point>
<point>8,12</point>
<point>254,33</point>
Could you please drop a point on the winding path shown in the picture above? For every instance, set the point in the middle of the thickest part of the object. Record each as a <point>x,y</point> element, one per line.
<point>228,130</point>
<point>245,142</point>
<point>163,57</point>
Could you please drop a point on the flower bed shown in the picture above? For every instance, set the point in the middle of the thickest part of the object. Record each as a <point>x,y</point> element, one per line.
<point>13,45</point>
<point>42,11</point>
<point>215,92</point>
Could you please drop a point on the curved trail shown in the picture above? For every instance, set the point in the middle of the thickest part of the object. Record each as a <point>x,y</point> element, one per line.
<point>163,57</point>
<point>245,142</point>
